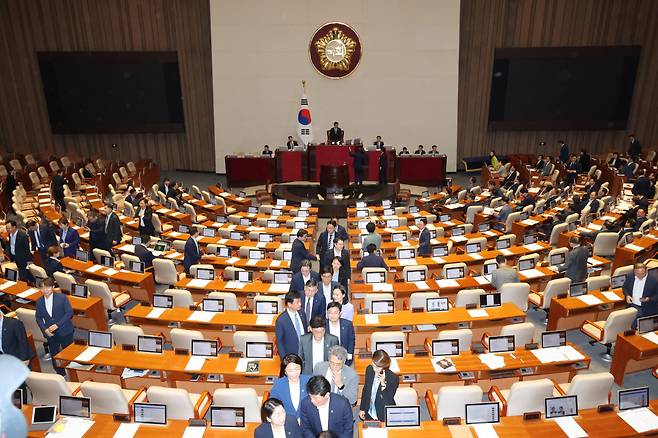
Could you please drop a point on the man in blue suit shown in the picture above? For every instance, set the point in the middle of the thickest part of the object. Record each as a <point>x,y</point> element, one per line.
<point>299,251</point>
<point>42,237</point>
<point>142,252</point>
<point>54,316</point>
<point>345,332</point>
<point>641,291</point>
<point>305,274</point>
<point>322,410</point>
<point>313,303</point>
<point>69,238</point>
<point>289,326</point>
<point>423,238</point>
<point>326,285</point>
<point>192,251</point>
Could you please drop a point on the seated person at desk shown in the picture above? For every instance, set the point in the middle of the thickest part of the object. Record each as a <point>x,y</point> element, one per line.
<point>372,237</point>
<point>142,252</point>
<point>69,238</point>
<point>290,388</point>
<point>379,388</point>
<point>132,198</point>
<point>335,135</point>
<point>343,379</point>
<point>641,291</point>
<point>539,164</point>
<point>276,422</point>
<point>339,295</point>
<point>505,273</point>
<point>305,274</point>
<point>289,326</point>
<point>372,260</point>
<point>314,346</point>
<point>291,143</point>
<point>313,303</point>
<point>322,411</point>
<point>629,169</point>
<point>52,264</point>
<point>434,152</point>
<point>379,142</point>
<point>266,151</point>
<point>420,150</point>
<point>404,151</point>
<point>548,167</point>
<point>504,212</point>
<point>343,329</point>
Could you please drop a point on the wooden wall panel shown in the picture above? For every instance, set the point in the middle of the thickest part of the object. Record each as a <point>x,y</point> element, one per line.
<point>60,25</point>
<point>489,24</point>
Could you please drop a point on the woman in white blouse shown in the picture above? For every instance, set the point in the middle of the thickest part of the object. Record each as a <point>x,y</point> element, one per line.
<point>339,295</point>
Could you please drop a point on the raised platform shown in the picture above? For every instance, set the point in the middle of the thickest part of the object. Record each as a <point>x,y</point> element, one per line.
<point>334,205</point>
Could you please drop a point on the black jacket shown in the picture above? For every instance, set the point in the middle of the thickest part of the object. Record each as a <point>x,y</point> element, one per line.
<point>145,256</point>
<point>148,227</point>
<point>52,265</point>
<point>14,339</point>
<point>382,398</point>
<point>22,254</point>
<point>112,230</point>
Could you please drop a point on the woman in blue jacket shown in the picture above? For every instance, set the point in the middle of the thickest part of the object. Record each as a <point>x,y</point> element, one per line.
<point>290,388</point>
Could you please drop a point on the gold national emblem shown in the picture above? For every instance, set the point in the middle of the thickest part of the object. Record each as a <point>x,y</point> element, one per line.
<point>335,50</point>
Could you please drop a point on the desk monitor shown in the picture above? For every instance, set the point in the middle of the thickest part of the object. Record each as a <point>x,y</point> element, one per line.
<point>484,226</point>
<point>445,347</point>
<point>432,234</point>
<point>440,250</point>
<point>458,231</point>
<point>161,246</point>
<point>70,406</point>
<point>414,275</point>
<point>150,344</point>
<point>362,213</point>
<point>578,289</point>
<point>224,251</point>
<point>382,306</point>
<point>302,213</point>
<point>490,300</point>
<point>259,350</point>
<point>137,267</point>
<point>205,274</point>
<point>478,413</point>
<point>647,324</point>
<point>556,338</point>
<point>212,305</point>
<point>398,237</point>
<point>79,290</point>
<point>208,232</point>
<point>386,203</point>
<point>393,348</point>
<point>276,212</point>
<point>633,398</point>
<point>287,255</point>
<point>271,223</point>
<point>150,413</point>
<point>617,281</point>
<point>375,277</point>
<point>566,406</point>
<point>413,209</point>
<point>526,264</point>
<point>221,416</point>
<point>81,255</point>
<point>163,301</point>
<point>488,268</point>
<point>557,259</point>
<point>444,218</point>
<point>252,210</point>
<point>235,235</point>
<point>256,254</point>
<point>393,223</point>
<point>437,304</point>
<point>43,415</point>
<point>281,202</point>
<point>245,276</point>
<point>530,238</point>
<point>626,239</point>
<point>407,253</point>
<point>245,222</point>
<point>221,219</point>
<point>388,212</point>
<point>361,204</point>
<point>282,277</point>
<point>267,307</point>
<point>107,261</point>
<point>402,416</point>
<point>455,272</point>
<point>305,204</point>
<point>264,237</point>
<point>183,228</point>
<point>501,344</point>
<point>363,224</point>
<point>299,225</point>
<point>473,248</point>
<point>99,339</point>
<point>202,347</point>
<point>136,241</point>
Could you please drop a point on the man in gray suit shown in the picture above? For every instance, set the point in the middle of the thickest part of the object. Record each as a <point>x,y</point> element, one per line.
<point>505,273</point>
<point>314,347</point>
<point>575,264</point>
<point>343,379</point>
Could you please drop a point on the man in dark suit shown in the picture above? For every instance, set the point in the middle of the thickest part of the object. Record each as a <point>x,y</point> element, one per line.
<point>13,339</point>
<point>17,248</point>
<point>305,274</point>
<point>341,232</point>
<point>372,260</point>
<point>575,264</point>
<point>593,203</point>
<point>112,227</point>
<point>643,186</point>
<point>539,165</point>
<point>379,143</point>
<point>564,151</point>
<point>54,316</point>
<point>192,251</point>
<point>383,166</point>
<point>345,334</point>
<point>132,198</point>
<point>291,143</point>
<point>573,169</point>
<point>142,252</point>
<point>335,135</point>
<point>326,241</point>
<point>322,411</point>
<point>69,238</point>
<point>344,256</point>
<point>168,189</point>
<point>42,237</point>
<point>634,147</point>
<point>641,291</point>
<point>629,169</point>
<point>57,185</point>
<point>313,303</point>
<point>319,337</point>
<point>51,263</point>
<point>326,285</point>
<point>299,251</point>
<point>424,249</point>
<point>640,218</point>
<point>289,325</point>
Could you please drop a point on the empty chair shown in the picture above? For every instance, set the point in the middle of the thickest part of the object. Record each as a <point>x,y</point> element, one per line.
<point>37,271</point>
<point>592,390</point>
<point>196,218</point>
<point>126,334</point>
<point>230,300</point>
<point>523,333</point>
<point>182,297</point>
<point>369,298</point>
<point>376,337</point>
<point>64,281</point>
<point>240,397</point>
<point>405,396</point>
<point>178,245</point>
<point>181,405</point>
<point>513,217</point>
<point>98,253</point>
<point>598,282</point>
<point>241,337</point>
<point>555,233</point>
<point>29,319</point>
<point>605,332</point>
<point>111,300</point>
<point>109,398</point>
<point>468,296</point>
<point>164,272</point>
<point>623,270</point>
<point>525,396</point>
<point>418,300</point>
<point>451,401</point>
<point>182,338</point>
<point>47,387</point>
<point>472,211</point>
<point>230,272</point>
<point>465,337</point>
<point>554,288</point>
<point>605,244</point>
<point>516,293</point>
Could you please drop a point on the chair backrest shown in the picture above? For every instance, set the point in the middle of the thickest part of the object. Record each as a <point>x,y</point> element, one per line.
<point>405,396</point>
<point>106,398</point>
<point>101,290</point>
<point>468,296</point>
<point>597,282</point>
<point>127,258</point>
<point>419,299</point>
<point>556,251</point>
<point>230,272</point>
<point>365,271</point>
<point>511,218</point>
<point>190,210</point>
<point>64,281</point>
<point>369,298</point>
<point>195,268</point>
<point>554,288</point>
<point>480,240</point>
<point>239,397</point>
<point>182,298</point>
<point>523,332</point>
<point>392,336</point>
<point>528,396</point>
<point>270,298</point>
<point>178,402</point>
<point>46,388</point>
<point>241,337</point>
<point>126,334</point>
<point>510,237</point>
<point>451,401</point>
<point>98,253</point>
<point>465,337</point>
<point>29,319</point>
<point>623,270</point>
<point>618,322</point>
<point>605,244</point>
<point>230,300</point>
<point>591,390</point>
<point>37,271</point>
<point>164,271</point>
<point>182,338</point>
<point>516,293</point>
<point>415,268</point>
<point>472,211</point>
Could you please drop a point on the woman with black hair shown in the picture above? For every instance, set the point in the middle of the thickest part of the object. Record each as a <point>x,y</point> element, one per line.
<point>290,387</point>
<point>276,424</point>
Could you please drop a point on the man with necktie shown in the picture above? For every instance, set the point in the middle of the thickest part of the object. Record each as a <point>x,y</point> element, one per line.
<point>289,326</point>
<point>54,316</point>
<point>191,252</point>
<point>69,238</point>
<point>424,249</point>
<point>326,241</point>
<point>17,248</point>
<point>335,135</point>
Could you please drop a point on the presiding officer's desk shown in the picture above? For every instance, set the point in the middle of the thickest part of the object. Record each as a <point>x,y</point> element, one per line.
<point>632,353</point>
<point>569,313</point>
<point>279,231</point>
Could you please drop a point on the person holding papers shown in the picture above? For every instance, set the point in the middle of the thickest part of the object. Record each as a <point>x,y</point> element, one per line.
<point>322,411</point>
<point>379,388</point>
<point>575,264</point>
<point>275,422</point>
<point>343,379</point>
<point>505,273</point>
<point>142,252</point>
<point>54,316</point>
<point>305,274</point>
<point>69,238</point>
<point>290,388</point>
<point>341,328</point>
<point>424,249</point>
<point>641,291</point>
<point>145,215</point>
<point>314,347</point>
<point>192,251</point>
<point>289,326</point>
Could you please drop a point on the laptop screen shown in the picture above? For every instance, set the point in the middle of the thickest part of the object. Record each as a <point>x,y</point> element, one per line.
<point>99,339</point>
<point>224,251</point>
<point>477,413</point>
<point>489,268</point>
<point>530,238</point>
<point>150,413</point>
<point>245,222</point>
<point>183,228</point>
<point>485,226</point>
<point>439,250</point>
<point>205,274</point>
<point>437,304</point>
<point>272,223</point>
<point>402,416</point>
<point>382,306</point>
<point>445,347</point>
<point>267,307</point>
<point>490,300</point>
<point>235,235</point>
<point>256,254</point>
<point>282,277</point>
<point>79,290</point>
<point>74,406</point>
<point>554,339</point>
<point>415,275</point>
<point>393,223</point>
<point>201,347</point>
<point>208,232</point>
<point>245,276</point>
<point>398,237</point>
<point>526,264</point>
<point>393,348</point>
<point>81,255</point>
<point>107,261</point>
<point>633,398</point>
<point>647,324</point>
<point>150,344</point>
<point>453,273</point>
<point>260,350</point>
<point>405,254</point>
<point>11,274</point>
<point>458,231</point>
<point>163,301</point>
<point>375,277</point>
<point>264,237</point>
<point>617,281</point>
<point>221,416</point>
<point>137,267</point>
<point>503,243</point>
<point>578,289</point>
<point>566,406</point>
<point>473,247</point>
<point>212,305</point>
<point>500,344</point>
<point>444,218</point>
<point>557,259</point>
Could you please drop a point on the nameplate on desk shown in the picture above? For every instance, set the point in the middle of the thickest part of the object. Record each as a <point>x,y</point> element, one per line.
<point>471,306</point>
<point>421,353</point>
<point>197,422</point>
<point>122,418</point>
<point>182,351</point>
<point>235,354</point>
<point>247,311</point>
<point>531,346</point>
<point>127,347</point>
<point>364,355</point>
<point>79,342</point>
<point>531,416</point>
<point>605,408</point>
<point>408,378</point>
<point>629,332</point>
<point>452,421</point>
<point>372,423</point>
<point>417,310</point>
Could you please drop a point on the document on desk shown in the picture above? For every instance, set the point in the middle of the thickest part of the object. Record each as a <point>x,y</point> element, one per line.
<point>275,263</point>
<point>110,272</point>
<point>612,296</point>
<point>88,354</point>
<point>593,226</point>
<point>127,247</point>
<point>651,336</point>
<point>174,233</point>
<point>222,241</point>
<point>7,284</point>
<point>421,285</point>
<point>404,243</point>
<point>492,361</point>
<point>156,312</point>
<point>126,430</point>
<point>442,365</point>
<point>279,287</point>
<point>195,363</point>
<point>485,430</point>
<point>490,233</point>
<point>549,355</point>
<point>252,262</point>
<point>447,283</point>
<point>533,247</point>
<point>532,273</point>
<point>590,300</point>
<point>642,419</point>
<point>264,319</point>
<point>173,255</point>
<point>530,222</point>
<point>201,316</point>
<point>27,293</point>
<point>232,284</point>
<point>476,256</point>
<point>571,427</point>
<point>382,287</point>
<point>477,313</point>
<point>241,366</point>
<point>94,268</point>
<point>194,432</point>
<point>408,262</point>
<point>482,280</point>
<point>459,239</point>
<point>438,260</point>
<point>70,427</point>
<point>371,319</point>
<point>571,353</point>
<point>633,247</point>
<point>232,260</point>
<point>506,252</point>
<point>374,432</point>
<point>197,282</point>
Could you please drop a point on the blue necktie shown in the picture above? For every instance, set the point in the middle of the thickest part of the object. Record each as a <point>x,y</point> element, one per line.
<point>298,326</point>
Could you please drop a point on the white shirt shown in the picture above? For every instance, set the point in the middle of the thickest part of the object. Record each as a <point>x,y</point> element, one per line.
<point>295,316</point>
<point>347,312</point>
<point>324,415</point>
<point>294,393</point>
<point>638,290</point>
<point>278,432</point>
<point>334,329</point>
<point>318,351</point>
<point>49,304</point>
<point>326,290</point>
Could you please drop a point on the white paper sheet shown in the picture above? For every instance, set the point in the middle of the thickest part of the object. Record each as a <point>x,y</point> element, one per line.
<point>571,427</point>
<point>201,316</point>
<point>571,353</point>
<point>88,354</point>
<point>195,363</point>
<point>476,256</point>
<point>110,271</point>
<point>196,282</point>
<point>94,268</point>
<point>264,319</point>
<point>532,273</point>
<point>651,336</point>
<point>407,262</point>
<point>127,247</point>
<point>459,239</point>
<point>642,419</point>
<point>485,430</point>
<point>422,285</point>
<point>27,293</point>
<point>279,287</point>
<point>439,369</point>
<point>371,319</point>
<point>549,355</point>
<point>447,283</point>
<point>374,432</point>
<point>533,247</point>
<point>382,287</point>
<point>477,313</point>
<point>174,233</point>
<point>241,366</point>
<point>482,280</point>
<point>232,260</point>
<point>194,432</point>
<point>275,263</point>
<point>590,300</point>
<point>172,255</point>
<point>529,222</point>
<point>425,327</point>
<point>506,252</point>
<point>126,430</point>
<point>72,428</point>
<point>252,262</point>
<point>612,296</point>
<point>492,361</point>
<point>7,284</point>
<point>634,247</point>
<point>438,260</point>
<point>156,313</point>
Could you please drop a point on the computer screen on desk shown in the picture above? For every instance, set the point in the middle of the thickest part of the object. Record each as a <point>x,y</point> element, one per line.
<point>554,339</point>
<point>267,307</point>
<point>437,304</point>
<point>107,261</point>
<point>99,339</point>
<point>473,247</point>
<point>647,324</point>
<point>444,218</point>
<point>137,240</point>
<point>382,306</point>
<point>458,231</point>
<point>272,223</point>
<point>245,222</point>
<point>445,347</point>
<point>256,254</point>
<point>137,267</point>
<point>530,238</point>
<point>150,413</point>
<point>163,301</point>
<point>282,277</point>
<point>361,204</point>
<point>501,344</point>
<point>414,275</point>
<point>264,237</point>
<point>212,305</point>
<point>393,348</point>
<point>375,277</point>
<point>150,344</point>
<point>398,237</point>
<point>221,416</point>
<point>11,274</point>
<point>405,254</point>
<point>183,228</point>
<point>439,250</point>
<point>484,226</point>
<point>633,398</point>
<point>488,268</point>
<point>477,413</point>
<point>259,350</point>
<point>526,264</point>
<point>81,255</point>
<point>503,243</point>
<point>287,255</point>
<point>566,406</point>
<point>235,235</point>
<point>79,290</point>
<point>70,406</point>
<point>557,259</point>
<point>617,281</point>
<point>490,300</point>
<point>276,212</point>
<point>362,213</point>
<point>205,274</point>
<point>208,232</point>
<point>393,223</point>
<point>578,289</point>
<point>454,273</point>
<point>402,416</point>
<point>201,347</point>
<point>224,251</point>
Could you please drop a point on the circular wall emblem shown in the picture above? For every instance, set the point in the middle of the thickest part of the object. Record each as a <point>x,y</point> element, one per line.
<point>335,50</point>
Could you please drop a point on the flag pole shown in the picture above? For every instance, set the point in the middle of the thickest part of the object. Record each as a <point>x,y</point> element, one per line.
<point>304,86</point>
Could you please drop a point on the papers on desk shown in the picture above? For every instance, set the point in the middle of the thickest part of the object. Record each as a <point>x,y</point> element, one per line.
<point>450,223</point>
<point>252,262</point>
<point>590,300</point>
<point>156,312</point>
<point>201,316</point>
<point>438,260</point>
<point>79,366</point>
<point>232,260</point>
<point>395,366</point>
<point>27,293</point>
<point>194,432</point>
<point>633,247</point>
<point>476,256</point>
<point>127,247</point>
<point>611,296</point>
<point>592,261</point>
<point>197,282</point>
<point>651,336</point>
<point>195,363</point>
<point>129,373</point>
<point>530,222</point>
<point>110,272</point>
<point>407,262</point>
<point>371,319</point>
<point>447,283</point>
<point>278,287</point>
<point>532,273</point>
<point>492,361</point>
<point>593,226</point>
<point>174,233</point>
<point>485,430</point>
<point>162,210</point>
<point>642,419</point>
<point>94,268</point>
<point>477,313</point>
<point>173,255</point>
<point>7,284</point>
<point>126,430</point>
<point>570,427</point>
<point>482,280</point>
<point>275,263</point>
<point>232,284</point>
<point>533,247</point>
<point>232,227</point>
<point>389,230</point>
<point>261,245</point>
<point>557,354</point>
<point>439,369</point>
<point>222,241</point>
<point>490,233</point>
<point>453,206</point>
<point>88,354</point>
<point>413,227</point>
<point>382,287</point>
<point>458,239</point>
<point>70,427</point>
<point>405,244</point>
<point>241,367</point>
<point>374,432</point>
<point>422,285</point>
<point>225,194</point>
<point>506,252</point>
<point>264,319</point>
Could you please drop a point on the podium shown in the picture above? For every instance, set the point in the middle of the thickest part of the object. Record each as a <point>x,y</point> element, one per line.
<point>334,177</point>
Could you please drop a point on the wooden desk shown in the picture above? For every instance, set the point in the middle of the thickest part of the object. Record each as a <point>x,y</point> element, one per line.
<point>570,312</point>
<point>625,256</point>
<point>237,201</point>
<point>631,354</point>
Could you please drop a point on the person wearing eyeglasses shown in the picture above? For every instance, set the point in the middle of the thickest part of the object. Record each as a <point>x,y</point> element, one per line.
<point>343,379</point>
